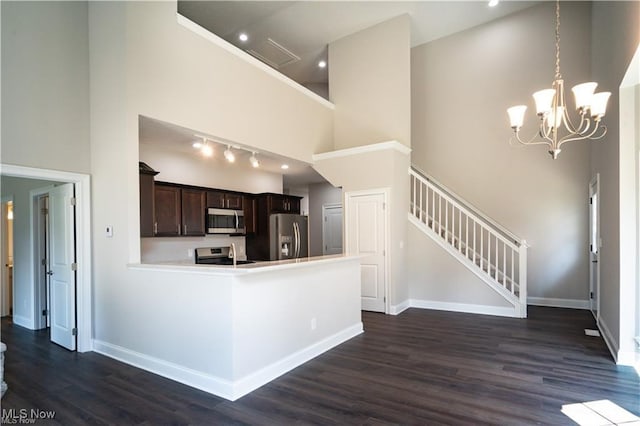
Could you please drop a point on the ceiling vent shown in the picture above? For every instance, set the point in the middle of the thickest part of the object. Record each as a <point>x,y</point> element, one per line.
<point>273,54</point>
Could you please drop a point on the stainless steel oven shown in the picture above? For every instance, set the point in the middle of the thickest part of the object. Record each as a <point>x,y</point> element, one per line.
<point>225,221</point>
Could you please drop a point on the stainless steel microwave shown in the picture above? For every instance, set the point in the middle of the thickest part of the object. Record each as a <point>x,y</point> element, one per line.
<point>225,221</point>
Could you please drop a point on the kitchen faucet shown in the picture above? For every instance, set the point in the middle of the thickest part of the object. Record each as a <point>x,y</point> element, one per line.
<point>233,254</point>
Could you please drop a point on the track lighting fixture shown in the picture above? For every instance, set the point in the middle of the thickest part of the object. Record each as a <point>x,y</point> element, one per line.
<point>254,161</point>
<point>228,154</point>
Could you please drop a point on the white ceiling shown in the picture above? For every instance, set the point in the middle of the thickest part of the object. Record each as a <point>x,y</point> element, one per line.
<point>172,138</point>
<point>307,27</point>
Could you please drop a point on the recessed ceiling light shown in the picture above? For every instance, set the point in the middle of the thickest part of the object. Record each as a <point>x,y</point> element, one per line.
<point>322,64</point>
<point>284,166</point>
<point>243,37</point>
<point>493,3</point>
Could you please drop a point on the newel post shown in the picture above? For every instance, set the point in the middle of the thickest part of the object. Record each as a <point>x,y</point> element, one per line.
<point>522,278</point>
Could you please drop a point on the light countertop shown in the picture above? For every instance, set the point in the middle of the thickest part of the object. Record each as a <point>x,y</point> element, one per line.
<point>251,268</point>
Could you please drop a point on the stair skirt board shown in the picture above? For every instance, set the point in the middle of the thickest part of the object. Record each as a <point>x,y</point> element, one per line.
<point>498,288</point>
<point>558,303</point>
<point>500,311</point>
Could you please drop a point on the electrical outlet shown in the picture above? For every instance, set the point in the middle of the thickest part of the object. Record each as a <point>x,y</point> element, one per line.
<point>313,323</point>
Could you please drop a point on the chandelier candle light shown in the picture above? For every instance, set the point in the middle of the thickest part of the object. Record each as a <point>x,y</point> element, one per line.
<point>556,127</point>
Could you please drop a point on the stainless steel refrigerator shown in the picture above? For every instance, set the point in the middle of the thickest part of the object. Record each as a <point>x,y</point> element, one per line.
<point>288,237</point>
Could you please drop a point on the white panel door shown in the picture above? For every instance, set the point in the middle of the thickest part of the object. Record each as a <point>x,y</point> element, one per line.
<point>366,236</point>
<point>62,280</point>
<point>332,229</point>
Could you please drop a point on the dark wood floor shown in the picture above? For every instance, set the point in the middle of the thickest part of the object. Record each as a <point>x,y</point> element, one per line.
<point>422,367</point>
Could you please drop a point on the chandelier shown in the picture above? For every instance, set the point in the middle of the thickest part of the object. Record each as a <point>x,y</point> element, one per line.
<point>556,127</point>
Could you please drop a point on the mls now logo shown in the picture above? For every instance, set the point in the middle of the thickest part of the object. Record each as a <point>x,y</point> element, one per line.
<point>23,416</point>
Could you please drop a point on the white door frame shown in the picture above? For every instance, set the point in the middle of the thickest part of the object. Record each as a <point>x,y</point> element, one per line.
<point>83,243</point>
<point>594,282</point>
<point>326,207</point>
<point>347,206</point>
<point>6,307</point>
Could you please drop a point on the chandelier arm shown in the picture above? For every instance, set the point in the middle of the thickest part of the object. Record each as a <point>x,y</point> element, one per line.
<point>570,138</point>
<point>532,141</point>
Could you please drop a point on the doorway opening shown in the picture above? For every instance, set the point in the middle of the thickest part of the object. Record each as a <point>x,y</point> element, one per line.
<point>594,245</point>
<point>65,299</point>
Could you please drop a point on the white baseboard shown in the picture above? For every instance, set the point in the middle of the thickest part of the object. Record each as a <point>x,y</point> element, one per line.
<point>608,339</point>
<point>265,375</point>
<point>465,307</point>
<point>224,388</point>
<point>23,322</point>
<point>197,379</point>
<point>400,307</point>
<point>558,303</point>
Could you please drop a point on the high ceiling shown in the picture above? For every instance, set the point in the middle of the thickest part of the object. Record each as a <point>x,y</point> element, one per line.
<point>305,28</point>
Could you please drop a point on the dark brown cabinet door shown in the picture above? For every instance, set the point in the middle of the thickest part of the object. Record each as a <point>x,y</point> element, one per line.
<point>193,212</point>
<point>276,204</point>
<point>146,205</point>
<point>249,204</point>
<point>167,207</point>
<point>233,201</point>
<point>292,204</point>
<point>215,199</point>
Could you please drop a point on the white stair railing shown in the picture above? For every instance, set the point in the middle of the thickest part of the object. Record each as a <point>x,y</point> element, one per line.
<point>493,253</point>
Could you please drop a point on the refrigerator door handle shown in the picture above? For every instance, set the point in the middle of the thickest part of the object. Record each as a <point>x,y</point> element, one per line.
<point>296,234</point>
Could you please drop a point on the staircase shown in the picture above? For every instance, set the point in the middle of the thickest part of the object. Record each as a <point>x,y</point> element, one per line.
<point>490,251</point>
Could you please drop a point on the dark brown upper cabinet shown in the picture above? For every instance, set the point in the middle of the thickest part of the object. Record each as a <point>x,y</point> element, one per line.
<point>168,210</point>
<point>193,212</point>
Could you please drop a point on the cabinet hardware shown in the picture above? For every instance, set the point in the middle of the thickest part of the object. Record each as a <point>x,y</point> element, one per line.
<point>178,228</point>
<point>185,229</point>
<point>155,227</point>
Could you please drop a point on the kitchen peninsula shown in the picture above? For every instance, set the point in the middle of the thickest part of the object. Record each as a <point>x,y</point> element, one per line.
<point>233,329</point>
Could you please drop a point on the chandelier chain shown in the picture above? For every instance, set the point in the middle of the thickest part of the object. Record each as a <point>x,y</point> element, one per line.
<point>558,75</point>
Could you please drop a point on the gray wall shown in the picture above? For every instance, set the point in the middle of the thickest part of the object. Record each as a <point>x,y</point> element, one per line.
<point>45,80</point>
<point>320,194</point>
<point>23,294</point>
<point>462,86</point>
<point>615,37</point>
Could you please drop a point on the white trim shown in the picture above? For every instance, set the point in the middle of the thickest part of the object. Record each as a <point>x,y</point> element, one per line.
<point>197,379</point>
<point>206,34</point>
<point>231,390</point>
<point>558,303</point>
<point>25,322</point>
<point>266,374</point>
<point>382,146</point>
<point>400,307</point>
<point>386,195</point>
<point>500,311</point>
<point>608,339</point>
<point>83,241</point>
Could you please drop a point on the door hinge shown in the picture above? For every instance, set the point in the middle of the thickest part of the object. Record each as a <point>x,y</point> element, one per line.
<point>591,248</point>
<point>325,218</point>
<point>45,312</point>
<point>591,295</point>
<point>384,206</point>
<point>590,200</point>
<point>74,331</point>
<point>44,211</point>
<point>73,201</point>
<point>384,253</point>
<point>44,262</point>
<point>74,266</point>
